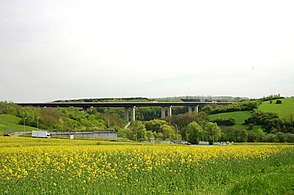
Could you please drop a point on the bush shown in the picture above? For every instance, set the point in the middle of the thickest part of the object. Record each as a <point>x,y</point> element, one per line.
<point>289,137</point>
<point>270,138</point>
<point>225,122</point>
<point>252,137</point>
<point>279,102</point>
<point>280,137</point>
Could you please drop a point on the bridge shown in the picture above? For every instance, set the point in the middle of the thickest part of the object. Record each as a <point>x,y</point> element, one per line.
<point>129,106</point>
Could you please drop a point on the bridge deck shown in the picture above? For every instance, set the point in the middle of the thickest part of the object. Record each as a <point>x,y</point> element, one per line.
<point>120,104</point>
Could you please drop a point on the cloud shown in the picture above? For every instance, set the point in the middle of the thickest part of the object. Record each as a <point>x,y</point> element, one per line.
<point>69,49</point>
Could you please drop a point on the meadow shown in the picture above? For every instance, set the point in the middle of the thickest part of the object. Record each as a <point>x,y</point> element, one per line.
<point>49,166</point>
<point>284,110</point>
<point>10,122</point>
<point>239,116</point>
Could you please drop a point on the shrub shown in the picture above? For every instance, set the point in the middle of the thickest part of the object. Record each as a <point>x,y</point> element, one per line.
<point>289,137</point>
<point>225,122</point>
<point>270,138</point>
<point>280,136</point>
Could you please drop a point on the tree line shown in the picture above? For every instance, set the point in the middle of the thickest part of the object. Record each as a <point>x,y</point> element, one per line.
<point>192,127</point>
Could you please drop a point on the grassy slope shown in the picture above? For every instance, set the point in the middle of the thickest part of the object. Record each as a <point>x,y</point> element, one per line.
<point>239,116</point>
<point>9,123</point>
<point>284,110</point>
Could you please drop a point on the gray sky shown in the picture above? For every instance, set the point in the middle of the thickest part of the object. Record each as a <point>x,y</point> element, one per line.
<point>66,49</point>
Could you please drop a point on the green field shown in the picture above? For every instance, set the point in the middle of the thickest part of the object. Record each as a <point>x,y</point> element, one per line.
<point>285,110</point>
<point>9,123</point>
<point>239,116</point>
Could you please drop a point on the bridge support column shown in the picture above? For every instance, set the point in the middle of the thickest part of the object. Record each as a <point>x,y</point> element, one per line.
<point>197,108</point>
<point>127,116</point>
<point>169,113</point>
<point>162,113</point>
<point>193,109</point>
<point>134,113</point>
<point>190,109</point>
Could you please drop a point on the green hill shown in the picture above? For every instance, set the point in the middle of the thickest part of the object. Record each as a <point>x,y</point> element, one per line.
<point>9,123</point>
<point>284,110</point>
<point>239,116</point>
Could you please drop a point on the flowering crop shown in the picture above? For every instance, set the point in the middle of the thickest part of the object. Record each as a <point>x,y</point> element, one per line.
<point>81,166</point>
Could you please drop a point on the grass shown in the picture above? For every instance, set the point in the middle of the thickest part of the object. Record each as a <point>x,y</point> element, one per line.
<point>9,123</point>
<point>239,116</point>
<point>285,110</point>
<point>81,167</point>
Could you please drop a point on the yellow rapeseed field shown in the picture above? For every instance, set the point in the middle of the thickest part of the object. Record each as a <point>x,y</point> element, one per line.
<point>104,161</point>
<point>89,162</point>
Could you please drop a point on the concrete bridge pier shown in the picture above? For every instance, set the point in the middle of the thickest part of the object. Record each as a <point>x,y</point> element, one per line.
<point>127,116</point>
<point>190,109</point>
<point>133,113</point>
<point>169,112</point>
<point>196,109</point>
<point>163,112</point>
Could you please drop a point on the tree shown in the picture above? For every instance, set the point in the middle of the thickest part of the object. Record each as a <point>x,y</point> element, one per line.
<point>259,135</point>
<point>183,120</point>
<point>212,132</point>
<point>289,137</point>
<point>252,136</point>
<point>270,138</point>
<point>168,132</point>
<point>280,136</point>
<point>207,109</point>
<point>139,130</point>
<point>155,125</point>
<point>194,132</point>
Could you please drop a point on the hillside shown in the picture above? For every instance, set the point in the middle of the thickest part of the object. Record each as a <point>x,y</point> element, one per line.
<point>9,123</point>
<point>239,116</point>
<point>284,110</point>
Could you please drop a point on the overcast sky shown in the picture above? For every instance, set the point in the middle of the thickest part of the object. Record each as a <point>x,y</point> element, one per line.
<point>67,49</point>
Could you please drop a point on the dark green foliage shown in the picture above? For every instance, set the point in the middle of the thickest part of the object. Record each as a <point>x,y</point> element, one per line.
<point>211,132</point>
<point>181,121</point>
<point>289,138</point>
<point>148,113</point>
<point>239,106</point>
<point>155,125</point>
<point>235,135</point>
<point>270,138</point>
<point>225,122</point>
<point>279,102</point>
<point>9,108</point>
<point>271,97</point>
<point>194,132</point>
<point>162,130</point>
<point>207,109</point>
<point>270,121</point>
<point>280,137</point>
